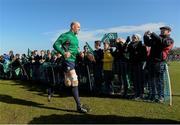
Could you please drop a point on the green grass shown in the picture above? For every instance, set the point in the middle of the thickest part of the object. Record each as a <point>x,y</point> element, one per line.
<point>24,102</point>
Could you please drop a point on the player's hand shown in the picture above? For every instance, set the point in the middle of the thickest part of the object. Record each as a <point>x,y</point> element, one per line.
<point>67,55</point>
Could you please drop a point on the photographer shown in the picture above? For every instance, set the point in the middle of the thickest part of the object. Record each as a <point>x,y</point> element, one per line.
<point>120,64</point>
<point>160,47</point>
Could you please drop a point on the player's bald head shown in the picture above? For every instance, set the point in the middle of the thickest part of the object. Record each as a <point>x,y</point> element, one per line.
<point>75,27</point>
<point>74,23</point>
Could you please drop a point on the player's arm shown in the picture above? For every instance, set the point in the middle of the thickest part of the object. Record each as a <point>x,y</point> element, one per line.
<point>58,44</point>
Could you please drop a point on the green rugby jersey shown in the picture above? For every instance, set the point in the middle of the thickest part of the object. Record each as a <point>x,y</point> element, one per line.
<point>72,47</point>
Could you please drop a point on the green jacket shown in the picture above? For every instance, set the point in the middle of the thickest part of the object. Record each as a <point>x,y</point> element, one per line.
<point>61,46</point>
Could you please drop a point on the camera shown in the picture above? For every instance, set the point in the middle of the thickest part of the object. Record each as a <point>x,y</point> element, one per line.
<point>148,33</point>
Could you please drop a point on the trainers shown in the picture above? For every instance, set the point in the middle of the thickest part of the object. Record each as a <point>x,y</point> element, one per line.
<point>150,99</point>
<point>111,93</point>
<point>82,109</point>
<point>160,100</point>
<point>49,98</point>
<point>137,98</point>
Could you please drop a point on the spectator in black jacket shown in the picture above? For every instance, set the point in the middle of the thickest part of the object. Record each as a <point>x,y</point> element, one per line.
<point>160,47</point>
<point>15,63</point>
<point>42,57</point>
<point>137,57</point>
<point>98,66</point>
<point>36,66</point>
<point>11,55</point>
<point>120,65</point>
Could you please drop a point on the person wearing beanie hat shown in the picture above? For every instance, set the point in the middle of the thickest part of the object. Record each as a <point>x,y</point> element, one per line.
<point>137,37</point>
<point>137,57</point>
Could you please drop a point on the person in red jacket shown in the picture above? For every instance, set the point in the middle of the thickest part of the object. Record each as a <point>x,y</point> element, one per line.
<point>156,62</point>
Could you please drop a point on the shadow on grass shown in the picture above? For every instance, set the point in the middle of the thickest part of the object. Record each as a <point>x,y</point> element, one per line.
<point>88,119</point>
<point>35,86</point>
<point>41,89</point>
<point>11,100</point>
<point>178,95</point>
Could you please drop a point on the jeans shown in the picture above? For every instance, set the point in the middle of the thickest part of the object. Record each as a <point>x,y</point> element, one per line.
<point>156,79</point>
